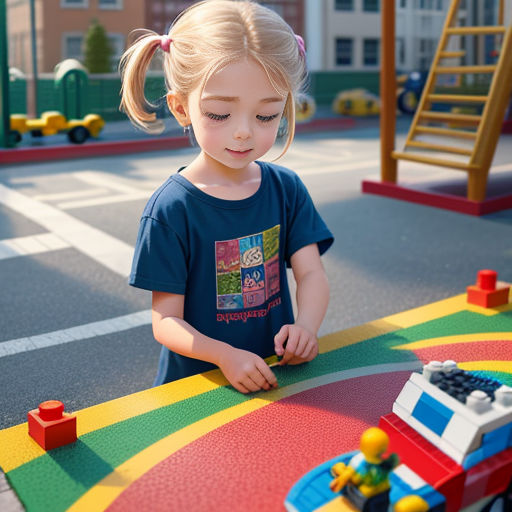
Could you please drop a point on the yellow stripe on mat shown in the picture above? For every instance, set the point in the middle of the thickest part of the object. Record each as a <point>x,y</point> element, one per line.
<point>459,338</point>
<point>398,321</point>
<point>490,366</point>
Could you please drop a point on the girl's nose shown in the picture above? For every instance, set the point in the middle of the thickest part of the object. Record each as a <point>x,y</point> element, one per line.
<point>242,131</point>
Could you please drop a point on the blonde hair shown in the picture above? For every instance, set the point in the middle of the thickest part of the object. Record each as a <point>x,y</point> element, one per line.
<point>206,37</point>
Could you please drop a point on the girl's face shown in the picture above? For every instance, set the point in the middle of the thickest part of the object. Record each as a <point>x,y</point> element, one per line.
<point>237,116</point>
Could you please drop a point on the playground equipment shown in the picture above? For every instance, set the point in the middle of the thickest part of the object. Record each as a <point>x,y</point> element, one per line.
<point>479,131</point>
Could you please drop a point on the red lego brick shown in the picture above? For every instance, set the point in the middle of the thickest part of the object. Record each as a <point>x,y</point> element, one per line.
<point>50,427</point>
<point>491,476</point>
<point>487,292</point>
<point>430,463</point>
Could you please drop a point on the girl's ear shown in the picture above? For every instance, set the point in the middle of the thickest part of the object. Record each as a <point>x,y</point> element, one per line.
<point>178,106</point>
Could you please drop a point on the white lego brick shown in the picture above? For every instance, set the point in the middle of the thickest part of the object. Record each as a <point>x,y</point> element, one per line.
<point>462,434</point>
<point>401,412</point>
<point>451,451</point>
<point>409,396</point>
<point>407,475</point>
<point>496,417</point>
<point>503,396</point>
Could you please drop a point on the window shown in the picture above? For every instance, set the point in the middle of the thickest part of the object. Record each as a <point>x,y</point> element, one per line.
<point>439,5</point>
<point>344,5</point>
<point>371,52</point>
<point>72,46</point>
<point>74,4</point>
<point>110,4</point>
<point>403,3</point>
<point>371,5</point>
<point>117,44</point>
<point>400,50</point>
<point>344,52</point>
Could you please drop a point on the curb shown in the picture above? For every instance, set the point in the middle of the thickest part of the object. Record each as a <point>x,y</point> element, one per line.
<point>65,152</point>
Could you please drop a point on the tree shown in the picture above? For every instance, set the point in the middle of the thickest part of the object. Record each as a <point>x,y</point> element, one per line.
<point>98,50</point>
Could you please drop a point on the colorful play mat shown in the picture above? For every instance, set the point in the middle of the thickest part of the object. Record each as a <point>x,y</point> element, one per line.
<point>197,444</point>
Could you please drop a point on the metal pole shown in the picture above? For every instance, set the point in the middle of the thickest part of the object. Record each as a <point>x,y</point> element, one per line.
<point>4,79</point>
<point>388,165</point>
<point>33,36</point>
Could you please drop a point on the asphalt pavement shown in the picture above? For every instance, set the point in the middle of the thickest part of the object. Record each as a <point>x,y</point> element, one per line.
<point>72,329</point>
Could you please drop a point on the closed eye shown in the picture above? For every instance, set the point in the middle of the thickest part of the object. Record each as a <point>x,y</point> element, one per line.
<point>216,117</point>
<point>266,119</point>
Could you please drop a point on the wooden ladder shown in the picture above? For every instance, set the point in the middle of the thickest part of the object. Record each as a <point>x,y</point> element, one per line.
<point>483,130</point>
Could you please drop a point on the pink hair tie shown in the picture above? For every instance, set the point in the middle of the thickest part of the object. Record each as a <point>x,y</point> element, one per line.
<point>302,46</point>
<point>165,43</point>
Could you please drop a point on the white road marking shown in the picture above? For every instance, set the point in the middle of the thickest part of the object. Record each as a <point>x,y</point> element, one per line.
<point>304,154</point>
<point>114,254</point>
<point>70,195</point>
<point>305,170</point>
<point>78,333</point>
<point>104,179</point>
<point>96,201</point>
<point>35,244</point>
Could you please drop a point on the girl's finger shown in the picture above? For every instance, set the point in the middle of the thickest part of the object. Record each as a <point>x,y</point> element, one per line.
<point>279,340</point>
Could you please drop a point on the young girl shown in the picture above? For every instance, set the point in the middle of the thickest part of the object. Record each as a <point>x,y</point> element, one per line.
<point>216,237</point>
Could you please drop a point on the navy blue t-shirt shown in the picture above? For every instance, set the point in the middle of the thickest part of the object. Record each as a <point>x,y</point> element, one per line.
<point>228,257</point>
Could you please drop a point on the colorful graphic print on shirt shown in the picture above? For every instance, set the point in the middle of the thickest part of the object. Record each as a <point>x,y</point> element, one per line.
<point>247,269</point>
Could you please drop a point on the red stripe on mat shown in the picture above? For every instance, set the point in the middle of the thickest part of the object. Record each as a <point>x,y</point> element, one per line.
<point>475,351</point>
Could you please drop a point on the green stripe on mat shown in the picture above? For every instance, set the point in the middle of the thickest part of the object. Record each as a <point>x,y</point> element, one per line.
<point>72,470</point>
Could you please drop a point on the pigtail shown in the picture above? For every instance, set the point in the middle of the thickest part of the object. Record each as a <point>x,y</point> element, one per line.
<point>133,67</point>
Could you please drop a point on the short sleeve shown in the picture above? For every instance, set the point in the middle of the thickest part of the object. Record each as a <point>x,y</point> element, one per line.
<point>305,226</point>
<point>160,259</point>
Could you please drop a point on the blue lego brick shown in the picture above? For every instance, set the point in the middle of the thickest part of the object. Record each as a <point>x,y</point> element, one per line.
<point>473,458</point>
<point>500,436</point>
<point>312,490</point>
<point>491,449</point>
<point>400,489</point>
<point>432,414</point>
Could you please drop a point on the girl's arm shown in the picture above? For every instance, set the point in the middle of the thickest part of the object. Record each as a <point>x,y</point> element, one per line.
<point>312,299</point>
<point>244,370</point>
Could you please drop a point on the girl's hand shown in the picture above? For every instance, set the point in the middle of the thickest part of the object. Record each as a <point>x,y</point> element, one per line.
<point>301,344</point>
<point>247,372</point>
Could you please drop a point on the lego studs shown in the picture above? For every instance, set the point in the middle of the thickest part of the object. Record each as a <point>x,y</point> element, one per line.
<point>50,427</point>
<point>488,292</point>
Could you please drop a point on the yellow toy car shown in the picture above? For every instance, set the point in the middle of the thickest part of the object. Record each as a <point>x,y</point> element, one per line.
<point>52,122</point>
<point>305,108</point>
<point>356,102</point>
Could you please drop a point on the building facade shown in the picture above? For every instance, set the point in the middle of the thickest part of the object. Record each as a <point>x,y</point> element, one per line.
<point>161,13</point>
<point>346,34</point>
<point>61,25</point>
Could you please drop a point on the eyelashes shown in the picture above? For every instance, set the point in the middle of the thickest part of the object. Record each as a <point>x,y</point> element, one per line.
<point>267,119</point>
<point>223,117</point>
<point>216,117</point>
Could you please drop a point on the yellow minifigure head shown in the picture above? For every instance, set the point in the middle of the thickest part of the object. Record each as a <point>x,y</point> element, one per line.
<point>374,442</point>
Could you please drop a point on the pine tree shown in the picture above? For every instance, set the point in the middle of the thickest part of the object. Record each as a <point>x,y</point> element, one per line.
<point>98,50</point>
